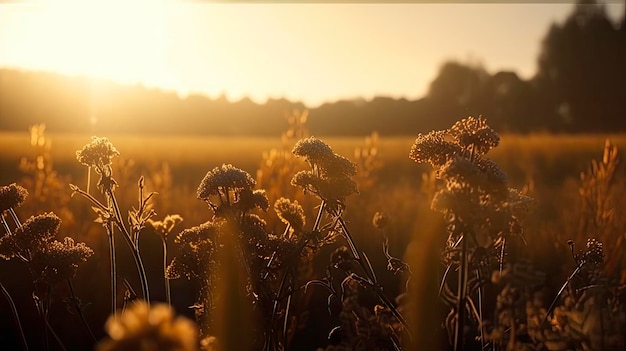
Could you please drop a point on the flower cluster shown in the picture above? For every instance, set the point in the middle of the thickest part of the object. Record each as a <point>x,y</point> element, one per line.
<point>220,180</point>
<point>165,227</point>
<point>58,261</point>
<point>474,134</point>
<point>51,261</point>
<point>196,247</point>
<point>98,154</point>
<point>433,148</point>
<point>290,213</point>
<point>330,174</point>
<point>33,235</point>
<point>145,328</point>
<point>11,196</point>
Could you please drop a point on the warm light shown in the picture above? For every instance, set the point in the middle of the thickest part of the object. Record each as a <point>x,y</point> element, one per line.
<point>122,40</point>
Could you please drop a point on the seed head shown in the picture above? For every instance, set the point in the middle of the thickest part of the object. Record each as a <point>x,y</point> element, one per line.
<point>58,261</point>
<point>224,178</point>
<point>594,253</point>
<point>475,133</point>
<point>313,149</point>
<point>249,200</point>
<point>290,213</point>
<point>433,148</point>
<point>11,196</point>
<point>98,153</point>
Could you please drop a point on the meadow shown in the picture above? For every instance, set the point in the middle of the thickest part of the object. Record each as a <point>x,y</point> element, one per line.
<point>544,167</point>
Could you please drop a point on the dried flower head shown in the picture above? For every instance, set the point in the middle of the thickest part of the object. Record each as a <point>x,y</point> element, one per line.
<point>145,328</point>
<point>58,261</point>
<point>433,148</point>
<point>166,226</point>
<point>98,153</point>
<point>313,149</point>
<point>194,251</point>
<point>11,196</point>
<point>336,166</point>
<point>222,179</point>
<point>474,133</point>
<point>594,253</point>
<point>249,200</point>
<point>32,235</point>
<point>290,213</point>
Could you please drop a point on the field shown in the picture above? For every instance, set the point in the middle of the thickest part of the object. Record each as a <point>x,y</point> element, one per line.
<point>545,167</point>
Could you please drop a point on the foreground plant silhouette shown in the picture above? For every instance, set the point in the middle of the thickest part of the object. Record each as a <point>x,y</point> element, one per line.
<point>481,212</point>
<point>98,155</point>
<point>49,261</point>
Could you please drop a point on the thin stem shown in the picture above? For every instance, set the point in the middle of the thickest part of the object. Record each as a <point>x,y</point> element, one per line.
<point>16,316</point>
<point>134,249</point>
<point>80,310</point>
<point>111,235</point>
<point>5,224</point>
<point>480,312</point>
<point>571,276</point>
<point>168,295</point>
<point>371,277</point>
<point>461,295</point>
<point>15,218</point>
<point>54,334</point>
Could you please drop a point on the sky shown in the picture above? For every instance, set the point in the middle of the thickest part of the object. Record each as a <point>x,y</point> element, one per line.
<point>312,53</point>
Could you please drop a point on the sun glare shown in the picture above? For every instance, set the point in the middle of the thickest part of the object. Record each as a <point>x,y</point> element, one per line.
<point>125,41</point>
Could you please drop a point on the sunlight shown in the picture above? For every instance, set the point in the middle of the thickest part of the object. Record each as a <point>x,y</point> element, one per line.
<point>124,41</point>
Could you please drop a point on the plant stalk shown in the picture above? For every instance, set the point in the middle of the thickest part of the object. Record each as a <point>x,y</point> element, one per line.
<point>16,316</point>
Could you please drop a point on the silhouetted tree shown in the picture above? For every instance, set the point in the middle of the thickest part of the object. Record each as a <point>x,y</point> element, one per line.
<point>581,71</point>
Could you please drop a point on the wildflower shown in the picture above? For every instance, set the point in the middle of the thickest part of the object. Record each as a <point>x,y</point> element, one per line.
<point>194,252</point>
<point>336,166</point>
<point>253,226</point>
<point>32,235</point>
<point>290,213</point>
<point>433,148</point>
<point>474,133</point>
<point>249,200</point>
<point>167,225</point>
<point>11,196</point>
<point>380,220</point>
<point>594,253</point>
<point>328,189</point>
<point>145,328</point>
<point>313,149</point>
<point>58,261</point>
<point>222,179</point>
<point>98,154</point>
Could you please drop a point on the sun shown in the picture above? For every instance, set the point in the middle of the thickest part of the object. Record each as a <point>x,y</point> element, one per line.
<point>126,41</point>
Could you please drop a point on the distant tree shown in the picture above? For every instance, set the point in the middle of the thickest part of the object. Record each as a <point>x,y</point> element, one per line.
<point>581,72</point>
<point>458,90</point>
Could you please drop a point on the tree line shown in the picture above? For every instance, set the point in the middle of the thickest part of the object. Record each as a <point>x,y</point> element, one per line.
<point>580,86</point>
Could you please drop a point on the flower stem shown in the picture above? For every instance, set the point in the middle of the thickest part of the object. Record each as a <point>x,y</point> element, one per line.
<point>16,317</point>
<point>134,249</point>
<point>571,276</point>
<point>371,276</point>
<point>168,295</point>
<point>79,310</point>
<point>461,294</point>
<point>113,264</point>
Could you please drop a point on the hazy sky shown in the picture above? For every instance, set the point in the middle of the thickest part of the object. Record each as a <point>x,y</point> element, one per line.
<point>305,52</point>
